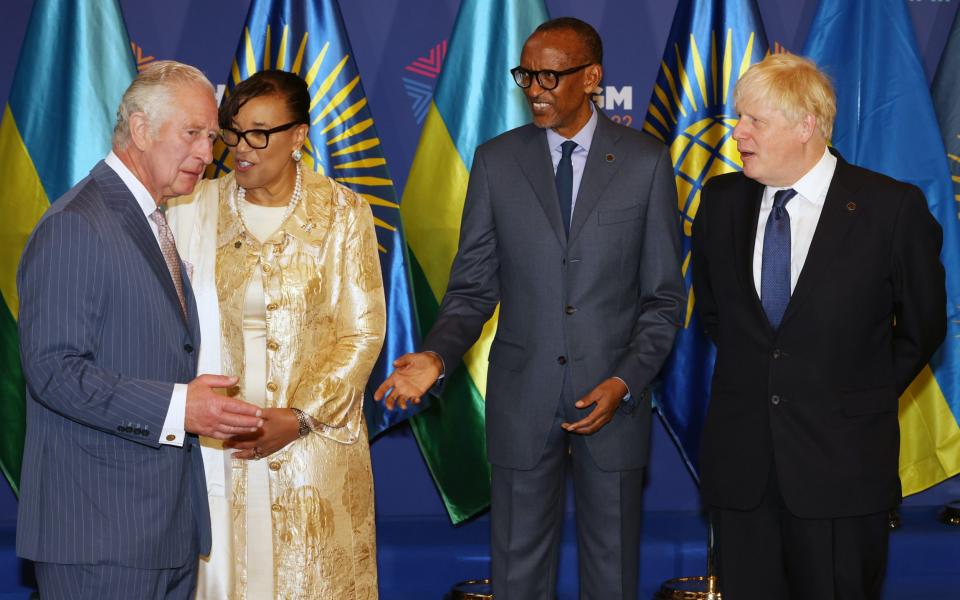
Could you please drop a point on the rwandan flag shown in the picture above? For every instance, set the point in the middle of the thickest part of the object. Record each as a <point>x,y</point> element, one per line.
<point>74,66</point>
<point>475,100</point>
<point>308,38</point>
<point>711,45</point>
<point>885,122</point>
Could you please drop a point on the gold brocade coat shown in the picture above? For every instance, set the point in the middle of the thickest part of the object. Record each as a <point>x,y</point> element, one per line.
<point>325,322</point>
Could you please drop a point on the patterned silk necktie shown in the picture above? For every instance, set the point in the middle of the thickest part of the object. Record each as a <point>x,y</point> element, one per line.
<point>168,247</point>
<point>775,266</point>
<point>564,179</point>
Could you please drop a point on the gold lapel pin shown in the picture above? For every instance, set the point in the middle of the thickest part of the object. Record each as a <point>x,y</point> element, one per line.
<point>851,206</point>
<point>611,158</point>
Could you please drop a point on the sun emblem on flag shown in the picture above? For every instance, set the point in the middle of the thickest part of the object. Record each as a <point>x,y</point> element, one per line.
<point>342,142</point>
<point>692,112</point>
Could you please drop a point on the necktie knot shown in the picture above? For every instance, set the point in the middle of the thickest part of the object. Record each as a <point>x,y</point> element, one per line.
<point>567,148</point>
<point>780,199</point>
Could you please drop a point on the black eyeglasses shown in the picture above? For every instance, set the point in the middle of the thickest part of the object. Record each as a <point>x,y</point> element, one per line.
<point>547,78</point>
<point>255,138</point>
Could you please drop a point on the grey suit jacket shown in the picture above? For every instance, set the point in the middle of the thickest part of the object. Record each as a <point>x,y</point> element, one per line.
<point>607,302</point>
<point>102,342</point>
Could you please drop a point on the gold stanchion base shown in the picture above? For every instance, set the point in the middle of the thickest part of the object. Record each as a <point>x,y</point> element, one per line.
<point>474,589</point>
<point>689,588</point>
<point>951,513</point>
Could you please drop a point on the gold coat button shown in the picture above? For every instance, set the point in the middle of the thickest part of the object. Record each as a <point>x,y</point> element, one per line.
<point>272,386</point>
<point>266,268</point>
<point>274,465</point>
<point>272,306</point>
<point>275,507</point>
<point>272,345</point>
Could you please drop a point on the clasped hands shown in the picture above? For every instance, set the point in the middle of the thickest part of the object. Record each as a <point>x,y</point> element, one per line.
<point>253,431</point>
<point>414,374</point>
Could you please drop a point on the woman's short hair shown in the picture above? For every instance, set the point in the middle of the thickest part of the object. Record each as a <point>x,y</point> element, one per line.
<point>150,93</point>
<point>289,87</point>
<point>794,85</point>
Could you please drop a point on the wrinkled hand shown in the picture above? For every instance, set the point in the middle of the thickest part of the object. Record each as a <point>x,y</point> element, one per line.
<point>414,374</point>
<point>607,396</point>
<point>280,427</point>
<point>215,415</point>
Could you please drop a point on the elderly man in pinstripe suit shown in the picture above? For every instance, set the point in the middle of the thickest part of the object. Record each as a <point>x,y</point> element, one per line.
<point>113,502</point>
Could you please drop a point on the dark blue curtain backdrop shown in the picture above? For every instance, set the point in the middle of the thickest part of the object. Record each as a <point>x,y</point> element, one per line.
<point>388,38</point>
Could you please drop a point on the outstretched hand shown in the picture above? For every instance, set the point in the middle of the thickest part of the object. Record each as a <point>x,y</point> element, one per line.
<point>414,374</point>
<point>607,397</point>
<point>215,415</point>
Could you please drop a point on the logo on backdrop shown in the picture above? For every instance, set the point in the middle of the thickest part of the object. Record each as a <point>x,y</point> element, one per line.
<point>424,71</point>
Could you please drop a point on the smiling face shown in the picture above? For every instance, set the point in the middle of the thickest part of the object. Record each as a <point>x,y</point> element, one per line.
<point>775,152</point>
<point>176,152</point>
<point>566,108</point>
<point>267,172</point>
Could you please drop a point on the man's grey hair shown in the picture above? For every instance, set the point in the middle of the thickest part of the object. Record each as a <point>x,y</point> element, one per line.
<point>151,94</point>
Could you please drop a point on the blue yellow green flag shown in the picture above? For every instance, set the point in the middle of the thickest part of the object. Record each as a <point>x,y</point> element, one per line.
<point>74,65</point>
<point>307,37</point>
<point>711,45</point>
<point>886,122</point>
<point>475,100</point>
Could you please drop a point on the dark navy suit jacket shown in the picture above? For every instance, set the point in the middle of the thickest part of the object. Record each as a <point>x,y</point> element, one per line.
<point>103,341</point>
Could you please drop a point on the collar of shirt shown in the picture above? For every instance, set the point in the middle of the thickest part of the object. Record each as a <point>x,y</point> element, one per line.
<point>813,186</point>
<point>582,138</point>
<point>144,199</point>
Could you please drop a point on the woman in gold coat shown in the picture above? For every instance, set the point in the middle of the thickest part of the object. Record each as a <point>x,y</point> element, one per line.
<point>288,259</point>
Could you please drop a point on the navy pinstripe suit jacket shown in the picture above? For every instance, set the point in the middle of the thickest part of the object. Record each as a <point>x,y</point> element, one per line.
<point>103,340</point>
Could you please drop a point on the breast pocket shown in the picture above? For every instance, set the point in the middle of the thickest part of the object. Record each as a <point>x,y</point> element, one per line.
<point>610,216</point>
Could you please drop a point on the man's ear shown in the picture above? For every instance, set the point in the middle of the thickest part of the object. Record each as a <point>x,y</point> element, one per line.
<point>808,126</point>
<point>140,130</point>
<point>593,75</point>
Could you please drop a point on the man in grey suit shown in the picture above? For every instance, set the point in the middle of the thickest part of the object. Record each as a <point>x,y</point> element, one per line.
<point>113,499</point>
<point>570,223</point>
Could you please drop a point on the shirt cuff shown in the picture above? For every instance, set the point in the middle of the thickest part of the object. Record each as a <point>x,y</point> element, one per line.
<point>627,397</point>
<point>173,431</point>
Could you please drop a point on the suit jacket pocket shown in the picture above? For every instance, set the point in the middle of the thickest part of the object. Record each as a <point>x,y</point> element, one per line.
<point>868,402</point>
<point>508,355</point>
<point>609,216</point>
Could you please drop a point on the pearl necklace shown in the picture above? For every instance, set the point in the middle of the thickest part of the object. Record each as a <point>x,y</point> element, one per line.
<point>241,196</point>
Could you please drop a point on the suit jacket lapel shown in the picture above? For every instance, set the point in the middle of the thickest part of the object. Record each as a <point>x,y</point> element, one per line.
<point>745,236</point>
<point>597,173</point>
<point>534,160</point>
<point>117,196</point>
<point>835,221</point>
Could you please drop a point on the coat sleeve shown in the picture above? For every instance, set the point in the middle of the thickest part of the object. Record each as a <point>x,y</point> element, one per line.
<point>919,288</point>
<point>332,395</point>
<point>700,264</point>
<point>661,295</point>
<point>474,288</point>
<point>62,282</point>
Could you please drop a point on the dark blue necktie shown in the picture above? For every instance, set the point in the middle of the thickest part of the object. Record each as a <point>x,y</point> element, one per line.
<point>564,179</point>
<point>775,266</point>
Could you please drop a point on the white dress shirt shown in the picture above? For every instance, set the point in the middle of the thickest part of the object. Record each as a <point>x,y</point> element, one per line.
<point>804,210</point>
<point>173,424</point>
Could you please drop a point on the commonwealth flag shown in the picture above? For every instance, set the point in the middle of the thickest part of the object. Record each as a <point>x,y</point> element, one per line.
<point>886,122</point>
<point>475,100</point>
<point>307,37</point>
<point>74,65</point>
<point>711,45</point>
<point>946,102</point>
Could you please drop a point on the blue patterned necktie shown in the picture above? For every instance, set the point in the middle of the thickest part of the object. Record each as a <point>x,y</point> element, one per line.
<point>775,266</point>
<point>564,179</point>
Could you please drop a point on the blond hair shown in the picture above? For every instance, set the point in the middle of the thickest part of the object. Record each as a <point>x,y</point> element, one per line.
<point>150,94</point>
<point>794,85</point>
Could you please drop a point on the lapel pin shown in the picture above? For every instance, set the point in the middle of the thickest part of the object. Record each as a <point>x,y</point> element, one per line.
<point>611,158</point>
<point>851,206</point>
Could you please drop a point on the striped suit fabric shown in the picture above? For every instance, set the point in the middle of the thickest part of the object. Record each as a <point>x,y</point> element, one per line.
<point>103,341</point>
